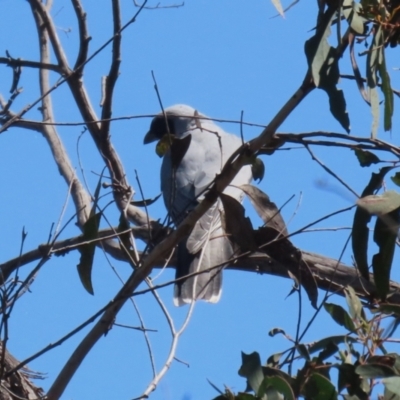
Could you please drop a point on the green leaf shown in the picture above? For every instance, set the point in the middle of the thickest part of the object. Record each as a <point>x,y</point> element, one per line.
<point>276,331</point>
<point>245,396</point>
<point>228,395</point>
<point>273,360</point>
<point>356,72</point>
<point>354,303</point>
<point>385,235</point>
<point>278,383</point>
<point>359,240</point>
<point>93,211</point>
<point>396,178</point>
<point>290,257</point>
<point>395,357</point>
<point>340,315</point>
<point>90,232</point>
<point>329,351</point>
<point>317,51</point>
<point>337,105</point>
<point>388,395</point>
<point>373,57</point>
<point>324,66</point>
<point>318,387</point>
<point>380,204</point>
<point>302,349</point>
<point>125,239</point>
<point>251,370</point>
<point>388,308</point>
<point>366,158</point>
<point>265,208</point>
<point>375,370</point>
<point>324,343</point>
<point>392,384</point>
<point>146,202</point>
<point>374,99</point>
<point>387,93</point>
<point>360,231</point>
<point>352,12</point>
<point>236,224</point>
<point>348,378</point>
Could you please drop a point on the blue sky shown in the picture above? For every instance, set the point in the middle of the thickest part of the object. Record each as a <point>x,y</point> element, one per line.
<point>220,57</point>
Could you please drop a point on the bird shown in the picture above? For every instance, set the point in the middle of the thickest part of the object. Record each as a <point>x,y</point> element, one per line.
<point>194,151</point>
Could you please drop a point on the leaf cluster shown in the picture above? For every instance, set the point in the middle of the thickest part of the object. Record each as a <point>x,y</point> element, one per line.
<point>347,366</point>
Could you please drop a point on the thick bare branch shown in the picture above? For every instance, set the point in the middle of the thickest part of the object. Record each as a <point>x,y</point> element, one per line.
<point>329,273</point>
<point>112,77</point>
<point>122,190</point>
<point>43,11</point>
<point>84,37</point>
<point>80,196</point>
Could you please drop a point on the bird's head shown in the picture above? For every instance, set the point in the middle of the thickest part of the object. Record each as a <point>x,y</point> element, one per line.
<point>176,120</point>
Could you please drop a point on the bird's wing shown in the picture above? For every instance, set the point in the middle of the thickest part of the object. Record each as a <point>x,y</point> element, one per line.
<point>207,245</point>
<point>209,224</point>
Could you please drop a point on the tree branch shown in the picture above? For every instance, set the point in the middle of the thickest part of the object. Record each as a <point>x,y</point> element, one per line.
<point>84,37</point>
<point>329,274</point>
<point>17,62</point>
<point>79,194</point>
<point>112,77</point>
<point>122,190</point>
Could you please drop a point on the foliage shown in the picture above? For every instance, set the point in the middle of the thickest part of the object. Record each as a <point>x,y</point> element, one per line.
<point>350,365</point>
<point>358,357</point>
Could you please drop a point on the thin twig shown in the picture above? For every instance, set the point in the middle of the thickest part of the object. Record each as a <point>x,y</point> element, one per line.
<point>330,172</point>
<point>142,325</point>
<point>175,338</point>
<point>13,62</point>
<point>158,6</point>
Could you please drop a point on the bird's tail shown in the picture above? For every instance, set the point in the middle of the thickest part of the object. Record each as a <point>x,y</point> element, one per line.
<point>201,286</point>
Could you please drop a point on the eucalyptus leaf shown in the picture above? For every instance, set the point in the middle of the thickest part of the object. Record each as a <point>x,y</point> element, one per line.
<point>375,370</point>
<point>352,12</point>
<point>380,204</point>
<point>385,236</point>
<point>340,315</point>
<point>319,387</point>
<point>366,158</point>
<point>392,384</point>
<point>265,208</point>
<point>354,303</point>
<point>396,178</point>
<point>251,370</point>
<point>90,233</point>
<point>387,93</point>
<point>360,231</point>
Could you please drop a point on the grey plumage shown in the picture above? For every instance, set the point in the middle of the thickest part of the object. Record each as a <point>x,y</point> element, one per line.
<point>183,187</point>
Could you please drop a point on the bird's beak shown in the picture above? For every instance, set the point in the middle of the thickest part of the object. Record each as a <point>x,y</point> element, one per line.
<point>150,137</point>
